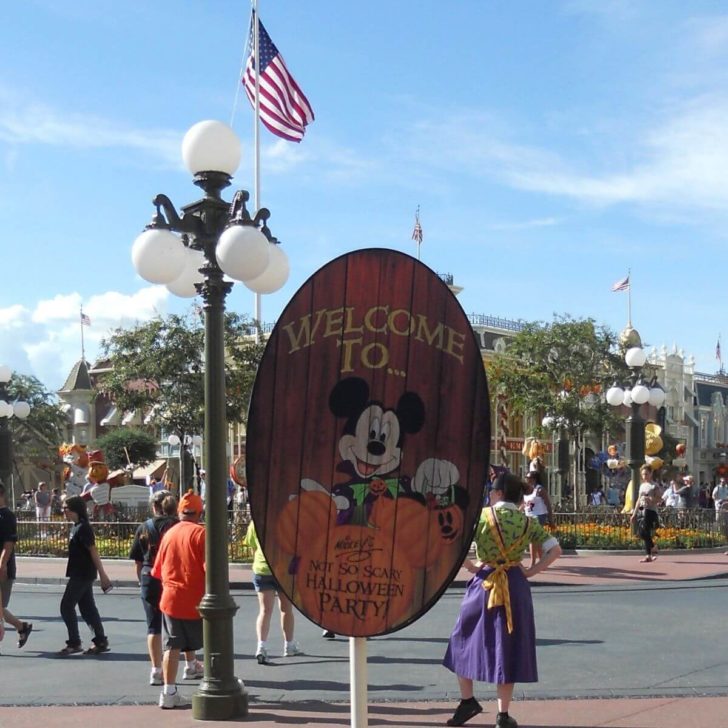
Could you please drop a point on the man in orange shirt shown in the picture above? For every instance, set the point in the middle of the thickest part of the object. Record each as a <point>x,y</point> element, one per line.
<point>180,566</point>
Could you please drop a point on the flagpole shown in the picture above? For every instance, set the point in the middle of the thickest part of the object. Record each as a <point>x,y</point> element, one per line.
<point>629,297</point>
<point>83,350</point>
<point>256,142</point>
<point>719,355</point>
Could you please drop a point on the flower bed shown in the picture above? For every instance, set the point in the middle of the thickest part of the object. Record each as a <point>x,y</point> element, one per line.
<point>612,530</point>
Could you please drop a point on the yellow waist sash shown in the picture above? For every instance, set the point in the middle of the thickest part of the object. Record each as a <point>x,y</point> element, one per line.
<point>497,581</point>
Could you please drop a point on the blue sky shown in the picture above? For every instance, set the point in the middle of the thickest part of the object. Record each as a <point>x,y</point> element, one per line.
<point>550,145</point>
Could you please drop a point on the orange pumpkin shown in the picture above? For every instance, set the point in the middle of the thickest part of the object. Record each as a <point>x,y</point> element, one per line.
<point>377,486</point>
<point>303,519</point>
<point>355,582</point>
<point>450,521</point>
<point>411,527</point>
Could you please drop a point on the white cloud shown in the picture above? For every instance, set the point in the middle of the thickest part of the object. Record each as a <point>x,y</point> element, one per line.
<point>46,341</point>
<point>679,163</point>
<point>526,224</point>
<point>281,156</point>
<point>29,122</point>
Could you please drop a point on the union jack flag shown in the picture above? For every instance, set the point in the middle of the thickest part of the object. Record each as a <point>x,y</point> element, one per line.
<point>417,231</point>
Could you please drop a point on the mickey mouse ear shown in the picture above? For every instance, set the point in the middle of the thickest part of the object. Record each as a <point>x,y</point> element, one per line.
<point>348,396</point>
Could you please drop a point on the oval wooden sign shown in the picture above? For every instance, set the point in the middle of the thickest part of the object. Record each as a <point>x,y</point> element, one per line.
<point>368,443</point>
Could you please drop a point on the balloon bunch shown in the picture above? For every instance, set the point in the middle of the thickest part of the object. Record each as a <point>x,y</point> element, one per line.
<point>653,445</point>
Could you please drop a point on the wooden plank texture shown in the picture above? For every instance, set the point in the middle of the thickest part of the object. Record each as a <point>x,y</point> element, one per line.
<point>368,442</point>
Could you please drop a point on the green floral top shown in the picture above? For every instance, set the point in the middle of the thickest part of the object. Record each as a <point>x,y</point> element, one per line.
<point>512,524</point>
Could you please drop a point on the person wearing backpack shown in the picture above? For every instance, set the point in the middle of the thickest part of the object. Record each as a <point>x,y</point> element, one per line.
<point>144,552</point>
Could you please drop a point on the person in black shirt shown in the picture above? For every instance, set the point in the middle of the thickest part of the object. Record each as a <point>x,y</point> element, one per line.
<point>144,551</point>
<point>8,539</point>
<point>83,566</point>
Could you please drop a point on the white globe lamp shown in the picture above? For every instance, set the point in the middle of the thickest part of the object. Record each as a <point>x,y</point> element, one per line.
<point>635,357</point>
<point>184,285</point>
<point>615,396</point>
<point>158,256</point>
<point>657,396</point>
<point>243,252</point>
<point>640,394</point>
<point>275,275</point>
<point>21,410</point>
<point>211,146</point>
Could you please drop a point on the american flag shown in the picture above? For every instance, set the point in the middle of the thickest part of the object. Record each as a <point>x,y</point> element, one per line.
<point>85,320</point>
<point>622,285</point>
<point>717,351</point>
<point>284,109</point>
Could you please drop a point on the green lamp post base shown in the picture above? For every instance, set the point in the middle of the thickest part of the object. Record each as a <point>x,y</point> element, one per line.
<point>220,707</point>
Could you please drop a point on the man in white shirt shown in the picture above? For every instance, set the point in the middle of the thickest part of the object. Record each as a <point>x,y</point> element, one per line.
<point>720,498</point>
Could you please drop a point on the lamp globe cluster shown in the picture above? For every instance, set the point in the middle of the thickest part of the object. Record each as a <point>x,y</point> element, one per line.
<point>18,409</point>
<point>640,392</point>
<point>243,251</point>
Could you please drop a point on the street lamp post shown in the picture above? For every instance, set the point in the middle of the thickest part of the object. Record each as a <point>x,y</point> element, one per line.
<point>17,409</point>
<point>190,253</point>
<point>637,393</point>
<point>175,441</point>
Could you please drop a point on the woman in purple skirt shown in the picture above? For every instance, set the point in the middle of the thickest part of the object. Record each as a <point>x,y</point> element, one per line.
<point>494,639</point>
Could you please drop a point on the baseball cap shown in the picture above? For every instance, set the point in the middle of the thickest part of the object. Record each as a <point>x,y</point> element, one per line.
<point>190,503</point>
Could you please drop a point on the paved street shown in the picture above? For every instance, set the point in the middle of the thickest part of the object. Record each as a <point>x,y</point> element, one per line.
<point>592,642</point>
<point>633,637</point>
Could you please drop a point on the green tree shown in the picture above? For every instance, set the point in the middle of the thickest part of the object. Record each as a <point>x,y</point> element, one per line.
<point>157,368</point>
<point>560,369</point>
<point>40,434</point>
<point>123,447</point>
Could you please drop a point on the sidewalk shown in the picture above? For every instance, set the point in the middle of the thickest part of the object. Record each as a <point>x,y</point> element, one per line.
<point>583,568</point>
<point>615,713</point>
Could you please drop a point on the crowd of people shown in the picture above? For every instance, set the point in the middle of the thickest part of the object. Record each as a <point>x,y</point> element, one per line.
<point>678,490</point>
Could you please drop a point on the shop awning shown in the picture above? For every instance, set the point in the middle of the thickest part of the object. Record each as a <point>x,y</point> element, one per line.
<point>155,468</point>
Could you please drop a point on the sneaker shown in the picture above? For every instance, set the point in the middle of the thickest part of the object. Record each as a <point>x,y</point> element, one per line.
<point>292,649</point>
<point>98,647</point>
<point>262,656</point>
<point>194,670</point>
<point>155,676</point>
<point>466,710</point>
<point>327,634</point>
<point>505,721</point>
<point>69,650</point>
<point>24,633</point>
<point>168,702</point>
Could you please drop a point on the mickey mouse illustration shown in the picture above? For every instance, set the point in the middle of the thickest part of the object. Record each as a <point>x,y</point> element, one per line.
<point>371,452</point>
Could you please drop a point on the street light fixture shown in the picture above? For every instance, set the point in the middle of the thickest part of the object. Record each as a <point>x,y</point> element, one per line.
<point>638,392</point>
<point>8,409</point>
<point>190,254</point>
